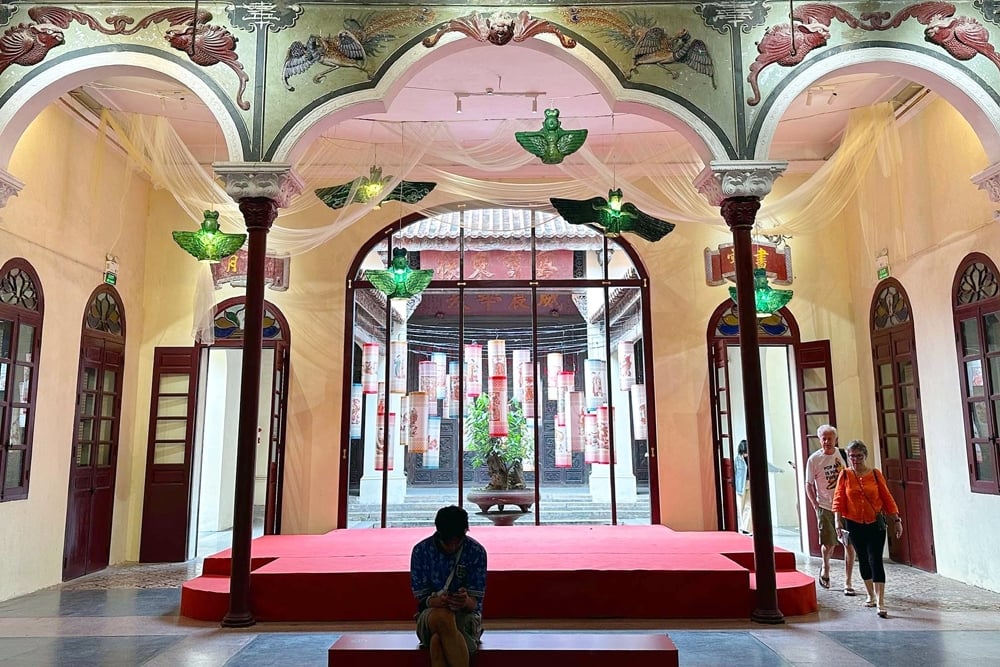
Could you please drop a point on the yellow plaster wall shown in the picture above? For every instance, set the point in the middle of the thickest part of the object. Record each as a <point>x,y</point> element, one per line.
<point>64,222</point>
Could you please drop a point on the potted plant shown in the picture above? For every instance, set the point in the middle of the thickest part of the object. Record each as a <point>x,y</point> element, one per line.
<point>502,456</point>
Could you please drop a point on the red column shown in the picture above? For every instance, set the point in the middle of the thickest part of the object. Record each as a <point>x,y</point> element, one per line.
<point>259,213</point>
<point>740,213</point>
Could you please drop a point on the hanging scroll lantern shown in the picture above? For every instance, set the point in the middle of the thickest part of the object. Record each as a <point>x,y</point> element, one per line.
<point>521,366</point>
<point>473,369</point>
<point>574,420</point>
<point>603,435</point>
<point>404,420</point>
<point>380,410</point>
<point>432,456</point>
<point>498,407</point>
<point>397,374</point>
<point>357,400</point>
<point>564,457</point>
<point>626,365</point>
<point>529,393</point>
<point>553,367</point>
<point>590,437</point>
<point>441,361</point>
<point>594,380</point>
<point>417,439</point>
<point>497,357</point>
<point>428,385</point>
<point>369,367</point>
<point>452,397</point>
<point>383,451</point>
<point>639,411</point>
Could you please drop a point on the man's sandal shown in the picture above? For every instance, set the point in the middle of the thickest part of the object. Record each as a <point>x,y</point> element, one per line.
<point>824,582</point>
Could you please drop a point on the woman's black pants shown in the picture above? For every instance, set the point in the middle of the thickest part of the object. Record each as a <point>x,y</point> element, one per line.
<point>869,542</point>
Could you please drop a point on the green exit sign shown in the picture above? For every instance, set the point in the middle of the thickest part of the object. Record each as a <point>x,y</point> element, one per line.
<point>110,278</point>
<point>883,273</point>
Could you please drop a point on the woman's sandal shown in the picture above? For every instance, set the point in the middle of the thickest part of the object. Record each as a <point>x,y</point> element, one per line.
<point>849,592</point>
<point>882,613</point>
<point>870,602</point>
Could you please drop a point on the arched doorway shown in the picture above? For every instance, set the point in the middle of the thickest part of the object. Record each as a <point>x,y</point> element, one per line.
<point>94,459</point>
<point>521,304</point>
<point>797,387</point>
<point>190,462</point>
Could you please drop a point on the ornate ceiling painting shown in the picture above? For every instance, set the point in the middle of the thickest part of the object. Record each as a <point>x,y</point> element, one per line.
<point>317,52</point>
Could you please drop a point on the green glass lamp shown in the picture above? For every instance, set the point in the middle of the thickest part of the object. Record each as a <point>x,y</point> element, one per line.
<point>208,244</point>
<point>372,186</point>
<point>768,300</point>
<point>551,143</point>
<point>399,281</point>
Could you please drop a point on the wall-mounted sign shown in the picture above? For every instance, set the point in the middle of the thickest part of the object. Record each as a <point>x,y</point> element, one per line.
<point>882,265</point>
<point>111,270</point>
<point>720,264</point>
<point>233,271</point>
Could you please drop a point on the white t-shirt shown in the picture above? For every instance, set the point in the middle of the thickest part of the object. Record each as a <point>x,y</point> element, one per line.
<point>823,471</point>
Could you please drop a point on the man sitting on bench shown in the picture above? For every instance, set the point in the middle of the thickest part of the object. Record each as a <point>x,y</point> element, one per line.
<point>448,579</point>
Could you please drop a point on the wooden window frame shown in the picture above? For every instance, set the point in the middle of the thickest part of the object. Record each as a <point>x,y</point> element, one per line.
<point>19,316</point>
<point>967,311</point>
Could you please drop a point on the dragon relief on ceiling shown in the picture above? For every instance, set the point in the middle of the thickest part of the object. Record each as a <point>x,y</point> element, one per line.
<point>28,44</point>
<point>787,44</point>
<point>361,39</point>
<point>647,42</point>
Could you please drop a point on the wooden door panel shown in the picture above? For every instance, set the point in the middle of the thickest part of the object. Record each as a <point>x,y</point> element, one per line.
<point>817,406</point>
<point>168,459</point>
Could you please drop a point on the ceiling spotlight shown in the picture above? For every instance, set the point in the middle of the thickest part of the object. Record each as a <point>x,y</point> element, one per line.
<point>534,104</point>
<point>458,104</point>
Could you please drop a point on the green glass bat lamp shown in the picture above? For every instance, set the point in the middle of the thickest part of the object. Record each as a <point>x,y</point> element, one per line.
<point>367,188</point>
<point>399,281</point>
<point>767,300</point>
<point>208,244</point>
<point>552,143</point>
<point>613,215</point>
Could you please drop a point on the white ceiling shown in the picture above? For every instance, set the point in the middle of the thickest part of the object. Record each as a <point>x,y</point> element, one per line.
<point>809,132</point>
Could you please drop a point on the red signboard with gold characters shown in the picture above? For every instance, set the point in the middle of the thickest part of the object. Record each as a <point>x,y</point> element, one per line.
<point>233,270</point>
<point>720,266</point>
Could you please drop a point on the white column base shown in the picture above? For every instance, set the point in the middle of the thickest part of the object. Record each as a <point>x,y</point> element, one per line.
<point>371,488</point>
<point>600,484</point>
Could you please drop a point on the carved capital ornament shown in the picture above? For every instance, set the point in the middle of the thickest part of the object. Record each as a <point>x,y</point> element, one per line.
<point>989,180</point>
<point>746,178</point>
<point>9,187</point>
<point>251,180</point>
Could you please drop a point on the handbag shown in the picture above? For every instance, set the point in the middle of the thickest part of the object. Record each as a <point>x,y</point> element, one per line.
<point>880,521</point>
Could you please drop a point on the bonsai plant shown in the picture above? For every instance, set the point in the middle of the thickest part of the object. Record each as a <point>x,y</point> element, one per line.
<point>501,455</point>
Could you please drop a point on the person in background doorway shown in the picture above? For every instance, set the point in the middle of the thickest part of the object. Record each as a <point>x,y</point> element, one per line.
<point>448,579</point>
<point>823,468</point>
<point>742,481</point>
<point>864,507</point>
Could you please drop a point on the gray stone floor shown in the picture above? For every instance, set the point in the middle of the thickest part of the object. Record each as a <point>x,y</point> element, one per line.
<point>128,615</point>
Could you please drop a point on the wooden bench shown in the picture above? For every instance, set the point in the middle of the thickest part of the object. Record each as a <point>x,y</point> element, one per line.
<point>506,648</point>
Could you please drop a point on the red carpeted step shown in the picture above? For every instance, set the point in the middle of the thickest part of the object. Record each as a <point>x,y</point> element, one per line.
<point>205,598</point>
<point>220,563</point>
<point>502,649</point>
<point>796,592</point>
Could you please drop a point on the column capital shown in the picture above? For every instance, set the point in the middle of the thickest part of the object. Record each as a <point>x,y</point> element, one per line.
<point>270,180</point>
<point>989,180</point>
<point>738,178</point>
<point>9,187</point>
<point>740,212</point>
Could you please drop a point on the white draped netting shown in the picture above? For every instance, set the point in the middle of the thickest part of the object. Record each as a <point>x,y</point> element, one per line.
<point>655,173</point>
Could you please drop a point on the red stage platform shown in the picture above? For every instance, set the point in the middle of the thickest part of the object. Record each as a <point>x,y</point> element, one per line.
<point>563,572</point>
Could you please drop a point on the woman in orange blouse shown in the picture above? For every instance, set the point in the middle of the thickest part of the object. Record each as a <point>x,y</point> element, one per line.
<point>861,493</point>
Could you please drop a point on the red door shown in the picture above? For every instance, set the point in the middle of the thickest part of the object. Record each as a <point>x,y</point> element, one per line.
<point>814,374</point>
<point>901,441</point>
<point>722,429</point>
<point>90,504</point>
<point>169,452</point>
<point>276,445</point>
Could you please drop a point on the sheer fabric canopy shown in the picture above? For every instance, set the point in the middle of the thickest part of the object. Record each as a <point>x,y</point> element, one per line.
<point>654,173</point>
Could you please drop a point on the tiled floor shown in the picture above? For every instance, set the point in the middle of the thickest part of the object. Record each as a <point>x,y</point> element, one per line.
<point>127,615</point>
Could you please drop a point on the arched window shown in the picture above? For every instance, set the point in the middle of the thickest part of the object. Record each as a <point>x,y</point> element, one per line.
<point>21,309</point>
<point>976,305</point>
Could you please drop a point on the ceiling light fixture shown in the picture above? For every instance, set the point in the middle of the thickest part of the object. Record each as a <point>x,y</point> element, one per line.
<point>533,95</point>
